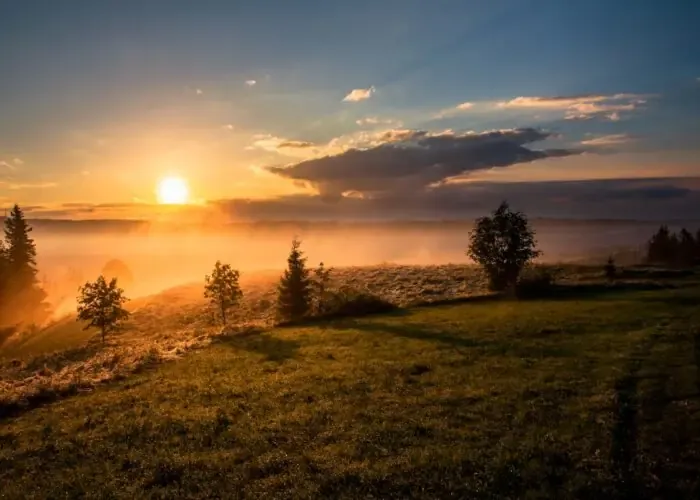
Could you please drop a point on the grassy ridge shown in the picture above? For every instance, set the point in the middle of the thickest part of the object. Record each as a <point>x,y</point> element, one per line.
<point>580,398</point>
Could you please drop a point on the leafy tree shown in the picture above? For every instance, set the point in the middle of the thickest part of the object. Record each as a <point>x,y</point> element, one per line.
<point>294,292</point>
<point>503,244</point>
<point>25,299</point>
<point>321,282</point>
<point>101,303</point>
<point>610,269</point>
<point>222,288</point>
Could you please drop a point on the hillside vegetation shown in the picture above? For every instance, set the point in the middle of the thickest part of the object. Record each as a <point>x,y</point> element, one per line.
<point>593,394</point>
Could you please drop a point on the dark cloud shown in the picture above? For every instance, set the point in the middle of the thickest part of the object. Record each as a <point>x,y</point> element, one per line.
<point>295,144</point>
<point>411,160</point>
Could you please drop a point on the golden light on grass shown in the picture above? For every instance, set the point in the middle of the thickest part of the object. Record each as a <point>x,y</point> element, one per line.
<point>173,191</point>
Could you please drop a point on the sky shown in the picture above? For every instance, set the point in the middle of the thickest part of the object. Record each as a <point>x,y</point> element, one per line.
<point>351,110</point>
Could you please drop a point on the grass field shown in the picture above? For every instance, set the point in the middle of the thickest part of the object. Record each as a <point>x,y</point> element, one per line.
<point>592,395</point>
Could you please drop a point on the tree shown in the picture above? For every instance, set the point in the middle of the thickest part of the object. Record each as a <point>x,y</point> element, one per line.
<point>686,248</point>
<point>321,282</point>
<point>503,245</point>
<point>222,288</point>
<point>24,297</point>
<point>661,248</point>
<point>294,291</point>
<point>610,269</point>
<point>101,303</point>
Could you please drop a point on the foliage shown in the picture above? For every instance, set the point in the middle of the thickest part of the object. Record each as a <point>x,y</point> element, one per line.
<point>671,249</point>
<point>610,269</point>
<point>321,284</point>
<point>295,292</point>
<point>222,288</point>
<point>503,245</point>
<point>535,282</point>
<point>22,298</point>
<point>100,303</point>
<point>348,302</point>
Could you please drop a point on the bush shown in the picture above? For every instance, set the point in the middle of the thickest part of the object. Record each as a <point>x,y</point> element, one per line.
<point>535,282</point>
<point>503,245</point>
<point>352,302</point>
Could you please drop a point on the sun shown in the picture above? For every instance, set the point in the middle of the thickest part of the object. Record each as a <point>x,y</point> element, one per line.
<point>172,191</point>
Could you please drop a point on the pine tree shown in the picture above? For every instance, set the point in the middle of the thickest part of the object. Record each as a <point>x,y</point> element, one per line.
<point>24,296</point>
<point>322,278</point>
<point>686,248</point>
<point>661,247</point>
<point>294,292</point>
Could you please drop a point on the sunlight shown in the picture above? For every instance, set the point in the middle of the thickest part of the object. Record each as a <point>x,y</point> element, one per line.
<point>173,191</point>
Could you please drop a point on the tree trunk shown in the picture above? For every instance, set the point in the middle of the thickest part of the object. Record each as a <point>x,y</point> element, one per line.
<point>223,314</point>
<point>103,334</point>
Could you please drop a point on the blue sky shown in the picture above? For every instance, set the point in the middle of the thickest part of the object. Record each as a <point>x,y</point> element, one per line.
<point>244,100</point>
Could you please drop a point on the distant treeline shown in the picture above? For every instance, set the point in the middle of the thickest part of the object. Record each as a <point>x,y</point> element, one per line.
<point>674,249</point>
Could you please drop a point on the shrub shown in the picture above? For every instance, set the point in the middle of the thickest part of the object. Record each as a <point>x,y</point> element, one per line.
<point>353,302</point>
<point>610,269</point>
<point>503,245</point>
<point>100,303</point>
<point>535,282</point>
<point>321,282</point>
<point>222,288</point>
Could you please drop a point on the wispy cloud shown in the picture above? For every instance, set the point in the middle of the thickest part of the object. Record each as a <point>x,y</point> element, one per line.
<point>14,186</point>
<point>608,140</point>
<point>250,83</point>
<point>199,91</point>
<point>580,107</point>
<point>7,165</point>
<point>459,108</point>
<point>228,126</point>
<point>18,161</point>
<point>359,94</point>
<point>374,120</point>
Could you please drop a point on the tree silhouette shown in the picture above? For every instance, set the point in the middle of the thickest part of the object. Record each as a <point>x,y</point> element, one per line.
<point>101,303</point>
<point>610,269</point>
<point>222,288</point>
<point>294,291</point>
<point>686,248</point>
<point>321,282</point>
<point>24,297</point>
<point>503,244</point>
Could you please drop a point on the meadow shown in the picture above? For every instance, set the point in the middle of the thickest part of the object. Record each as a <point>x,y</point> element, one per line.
<point>593,392</point>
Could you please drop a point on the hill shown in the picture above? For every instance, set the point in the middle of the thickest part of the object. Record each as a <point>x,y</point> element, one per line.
<point>593,395</point>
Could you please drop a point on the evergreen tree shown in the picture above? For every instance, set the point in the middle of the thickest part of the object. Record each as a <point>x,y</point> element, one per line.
<point>661,247</point>
<point>686,248</point>
<point>294,292</point>
<point>610,269</point>
<point>322,278</point>
<point>24,297</point>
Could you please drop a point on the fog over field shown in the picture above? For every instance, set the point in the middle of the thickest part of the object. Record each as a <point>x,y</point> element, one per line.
<point>160,258</point>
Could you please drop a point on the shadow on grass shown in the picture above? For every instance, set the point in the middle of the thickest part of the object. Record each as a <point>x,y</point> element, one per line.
<point>414,331</point>
<point>260,342</point>
<point>594,290</point>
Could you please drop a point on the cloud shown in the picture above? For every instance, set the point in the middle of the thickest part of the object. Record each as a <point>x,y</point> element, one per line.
<point>412,160</point>
<point>14,186</point>
<point>228,126</point>
<point>199,91</point>
<point>359,94</point>
<point>295,144</point>
<point>7,165</point>
<point>580,107</point>
<point>18,161</point>
<point>609,140</point>
<point>250,83</point>
<point>458,109</point>
<point>374,120</point>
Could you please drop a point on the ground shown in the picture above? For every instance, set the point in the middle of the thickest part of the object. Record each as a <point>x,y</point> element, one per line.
<point>594,394</point>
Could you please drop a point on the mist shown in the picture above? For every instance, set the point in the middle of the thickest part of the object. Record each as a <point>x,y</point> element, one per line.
<point>160,259</point>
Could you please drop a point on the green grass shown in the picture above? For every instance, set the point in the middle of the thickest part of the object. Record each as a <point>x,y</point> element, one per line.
<point>596,397</point>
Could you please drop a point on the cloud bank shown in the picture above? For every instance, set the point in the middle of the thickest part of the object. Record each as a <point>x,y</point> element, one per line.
<point>414,160</point>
